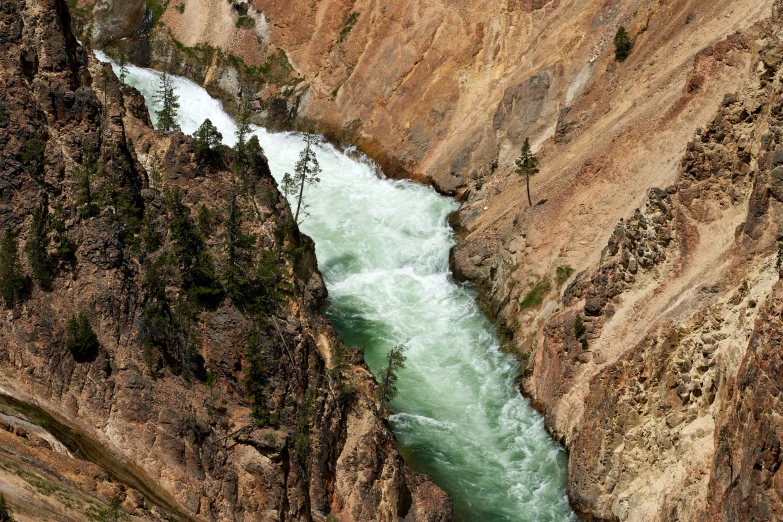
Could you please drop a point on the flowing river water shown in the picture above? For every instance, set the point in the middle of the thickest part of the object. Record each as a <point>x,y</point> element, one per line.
<point>383,249</point>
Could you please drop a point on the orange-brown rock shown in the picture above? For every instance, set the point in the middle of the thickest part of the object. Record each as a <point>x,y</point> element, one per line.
<point>163,411</point>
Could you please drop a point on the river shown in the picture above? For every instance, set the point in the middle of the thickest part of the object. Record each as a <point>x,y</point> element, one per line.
<point>383,247</point>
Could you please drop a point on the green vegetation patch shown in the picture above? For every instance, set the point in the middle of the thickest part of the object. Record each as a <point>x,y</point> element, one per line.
<point>562,273</point>
<point>350,21</point>
<point>536,295</point>
<point>157,9</point>
<point>245,22</point>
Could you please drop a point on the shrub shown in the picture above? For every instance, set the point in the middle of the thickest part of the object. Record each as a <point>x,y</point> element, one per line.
<point>14,286</point>
<point>81,338</point>
<point>245,22</point>
<point>580,330</point>
<point>622,44</point>
<point>562,273</point>
<point>350,21</point>
<point>536,295</point>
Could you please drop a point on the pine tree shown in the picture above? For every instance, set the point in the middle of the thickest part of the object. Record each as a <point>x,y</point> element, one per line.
<point>241,159</point>
<point>527,165</point>
<point>206,143</point>
<point>622,44</point>
<point>37,251</point>
<point>239,248</point>
<point>195,262</point>
<point>123,67</point>
<point>85,200</point>
<point>63,248</point>
<point>149,232</point>
<point>81,338</point>
<point>306,172</point>
<point>167,115</point>
<point>387,388</point>
<point>14,286</point>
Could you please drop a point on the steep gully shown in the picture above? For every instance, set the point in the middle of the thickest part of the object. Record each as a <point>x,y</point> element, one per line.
<point>383,249</point>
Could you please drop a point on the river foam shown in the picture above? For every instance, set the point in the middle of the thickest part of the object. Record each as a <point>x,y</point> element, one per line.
<point>383,249</point>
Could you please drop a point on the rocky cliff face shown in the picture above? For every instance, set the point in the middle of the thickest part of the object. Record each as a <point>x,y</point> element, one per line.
<point>193,403</point>
<point>654,240</point>
<point>653,365</point>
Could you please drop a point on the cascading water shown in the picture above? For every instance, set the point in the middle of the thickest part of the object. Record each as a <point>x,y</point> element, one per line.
<point>383,249</point>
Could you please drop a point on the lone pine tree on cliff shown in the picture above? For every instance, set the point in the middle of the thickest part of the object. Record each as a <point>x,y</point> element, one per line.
<point>622,44</point>
<point>527,165</point>
<point>306,172</point>
<point>167,115</point>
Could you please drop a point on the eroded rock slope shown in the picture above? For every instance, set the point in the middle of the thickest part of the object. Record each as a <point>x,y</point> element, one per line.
<point>210,394</point>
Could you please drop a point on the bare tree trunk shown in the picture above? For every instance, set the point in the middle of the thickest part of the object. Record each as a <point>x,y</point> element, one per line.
<point>527,179</point>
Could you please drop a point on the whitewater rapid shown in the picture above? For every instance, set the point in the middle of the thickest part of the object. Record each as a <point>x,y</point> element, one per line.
<point>383,248</point>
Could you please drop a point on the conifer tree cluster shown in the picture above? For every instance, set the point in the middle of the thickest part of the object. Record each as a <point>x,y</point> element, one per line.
<point>169,101</point>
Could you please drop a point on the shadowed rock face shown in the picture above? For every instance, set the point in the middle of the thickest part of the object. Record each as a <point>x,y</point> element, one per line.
<point>177,411</point>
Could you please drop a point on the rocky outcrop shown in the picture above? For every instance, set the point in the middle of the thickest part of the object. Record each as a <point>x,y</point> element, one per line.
<point>656,229</point>
<point>660,402</point>
<point>223,411</point>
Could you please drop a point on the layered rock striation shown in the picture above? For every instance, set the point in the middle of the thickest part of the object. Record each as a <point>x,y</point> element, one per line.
<point>193,401</point>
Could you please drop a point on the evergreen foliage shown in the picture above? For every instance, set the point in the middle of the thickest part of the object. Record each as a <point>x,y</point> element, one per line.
<point>123,67</point>
<point>81,338</point>
<point>580,330</point>
<point>304,419</point>
<point>387,388</point>
<point>195,262</point>
<point>150,237</point>
<point>260,363</point>
<point>779,260</point>
<point>306,172</point>
<point>527,165</point>
<point>112,513</point>
<point>167,115</point>
<point>64,250</point>
<point>32,157</point>
<point>14,285</point>
<point>206,143</point>
<point>241,156</point>
<point>239,248</point>
<point>37,251</point>
<point>622,44</point>
<point>206,221</point>
<point>562,273</point>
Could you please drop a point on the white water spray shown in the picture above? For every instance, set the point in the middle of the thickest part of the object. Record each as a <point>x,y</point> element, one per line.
<point>383,249</point>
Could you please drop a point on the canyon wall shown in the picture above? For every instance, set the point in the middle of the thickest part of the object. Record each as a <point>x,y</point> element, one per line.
<point>652,244</point>
<point>191,402</point>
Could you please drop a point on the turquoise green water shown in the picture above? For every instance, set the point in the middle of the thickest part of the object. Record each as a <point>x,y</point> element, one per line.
<point>383,249</point>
